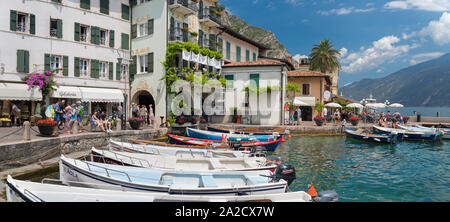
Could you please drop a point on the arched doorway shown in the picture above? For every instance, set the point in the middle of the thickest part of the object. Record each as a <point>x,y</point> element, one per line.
<point>145,98</point>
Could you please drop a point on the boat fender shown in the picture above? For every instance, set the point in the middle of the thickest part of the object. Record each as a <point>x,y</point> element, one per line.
<point>327,196</point>
<point>273,159</point>
<point>258,151</point>
<point>285,172</point>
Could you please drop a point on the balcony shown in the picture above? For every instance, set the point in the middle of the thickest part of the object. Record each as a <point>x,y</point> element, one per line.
<point>178,35</point>
<point>208,18</point>
<point>183,7</point>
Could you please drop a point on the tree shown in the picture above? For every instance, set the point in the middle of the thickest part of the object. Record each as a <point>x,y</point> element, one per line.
<point>324,57</point>
<point>292,87</point>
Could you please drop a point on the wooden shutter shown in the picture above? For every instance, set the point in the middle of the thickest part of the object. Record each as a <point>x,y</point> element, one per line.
<point>32,24</point>
<point>220,45</point>
<point>133,2</point>
<point>133,31</point>
<point>95,35</point>
<point>254,56</point>
<point>125,12</point>
<point>27,61</point>
<point>59,28</point>
<point>238,54</point>
<point>65,65</point>
<point>150,26</point>
<point>95,68</point>
<point>230,80</point>
<point>200,38</point>
<point>150,62</point>
<point>23,61</point>
<point>13,21</point>
<point>212,42</point>
<point>118,71</point>
<point>172,29</point>
<point>200,10</point>
<point>254,79</point>
<point>77,32</point>
<point>133,68</point>
<point>228,50</point>
<point>125,41</point>
<point>111,38</point>
<point>47,59</point>
<point>77,67</point>
<point>247,55</point>
<point>185,33</point>
<point>86,4</point>
<point>111,71</point>
<point>104,6</point>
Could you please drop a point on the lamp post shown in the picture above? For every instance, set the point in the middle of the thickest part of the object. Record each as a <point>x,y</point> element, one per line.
<point>123,61</point>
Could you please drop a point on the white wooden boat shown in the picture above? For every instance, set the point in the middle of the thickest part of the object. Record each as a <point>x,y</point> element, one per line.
<point>180,163</point>
<point>180,152</point>
<point>24,191</point>
<point>410,135</point>
<point>446,131</point>
<point>97,175</point>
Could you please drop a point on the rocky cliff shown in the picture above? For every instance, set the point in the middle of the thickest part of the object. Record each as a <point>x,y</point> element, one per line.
<point>257,34</point>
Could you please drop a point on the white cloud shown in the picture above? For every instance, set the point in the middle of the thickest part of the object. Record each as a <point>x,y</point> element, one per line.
<point>345,11</point>
<point>427,5</point>
<point>343,52</point>
<point>298,57</point>
<point>423,57</point>
<point>439,31</point>
<point>382,51</point>
<point>294,2</point>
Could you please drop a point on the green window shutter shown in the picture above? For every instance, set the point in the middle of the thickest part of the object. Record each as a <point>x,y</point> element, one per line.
<point>220,44</point>
<point>57,1</point>
<point>111,38</point>
<point>117,71</point>
<point>27,61</point>
<point>150,26</point>
<point>111,71</point>
<point>247,55</point>
<point>254,79</point>
<point>47,59</point>
<point>212,42</point>
<point>77,32</point>
<point>133,68</point>
<point>238,54</point>
<point>86,4</point>
<point>77,67</point>
<point>150,62</point>
<point>200,38</point>
<point>125,41</point>
<point>20,59</point>
<point>32,24</point>
<point>133,31</point>
<point>59,28</point>
<point>230,79</point>
<point>95,68</point>
<point>65,65</point>
<point>104,6</point>
<point>254,56</point>
<point>13,21</point>
<point>125,12</point>
<point>228,50</point>
<point>95,35</point>
<point>133,2</point>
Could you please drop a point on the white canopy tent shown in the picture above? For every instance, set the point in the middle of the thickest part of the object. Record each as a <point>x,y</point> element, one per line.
<point>18,91</point>
<point>333,105</point>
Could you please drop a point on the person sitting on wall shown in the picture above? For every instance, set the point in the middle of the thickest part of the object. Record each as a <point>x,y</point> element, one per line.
<point>104,122</point>
<point>96,121</point>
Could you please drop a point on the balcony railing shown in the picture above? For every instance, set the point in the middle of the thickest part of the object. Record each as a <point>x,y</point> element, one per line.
<point>186,4</point>
<point>21,27</point>
<point>53,33</point>
<point>179,35</point>
<point>208,14</point>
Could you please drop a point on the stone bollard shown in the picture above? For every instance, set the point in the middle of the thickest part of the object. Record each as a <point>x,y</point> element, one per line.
<point>26,130</point>
<point>119,125</point>
<point>75,128</point>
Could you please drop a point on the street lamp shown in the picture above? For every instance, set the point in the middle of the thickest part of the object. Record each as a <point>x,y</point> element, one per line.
<point>123,61</point>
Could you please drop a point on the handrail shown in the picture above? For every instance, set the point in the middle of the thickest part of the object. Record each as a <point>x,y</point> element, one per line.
<point>106,169</point>
<point>32,195</point>
<point>83,183</point>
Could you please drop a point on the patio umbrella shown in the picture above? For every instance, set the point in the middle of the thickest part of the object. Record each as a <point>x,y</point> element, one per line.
<point>375,105</point>
<point>333,105</point>
<point>298,102</point>
<point>355,105</point>
<point>396,105</point>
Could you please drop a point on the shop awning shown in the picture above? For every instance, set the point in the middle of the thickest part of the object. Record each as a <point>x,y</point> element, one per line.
<point>18,91</point>
<point>305,101</point>
<point>67,92</point>
<point>101,95</point>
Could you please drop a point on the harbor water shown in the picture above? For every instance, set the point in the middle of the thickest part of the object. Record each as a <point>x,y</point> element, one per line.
<point>424,111</point>
<point>369,172</point>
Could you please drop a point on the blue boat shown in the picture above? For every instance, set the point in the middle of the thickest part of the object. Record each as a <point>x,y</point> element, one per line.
<point>208,135</point>
<point>410,135</point>
<point>371,137</point>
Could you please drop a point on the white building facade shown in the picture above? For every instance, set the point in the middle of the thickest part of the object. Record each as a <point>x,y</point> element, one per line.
<point>83,39</point>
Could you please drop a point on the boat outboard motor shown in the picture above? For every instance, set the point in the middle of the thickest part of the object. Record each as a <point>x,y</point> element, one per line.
<point>327,196</point>
<point>236,145</point>
<point>285,172</point>
<point>258,151</point>
<point>273,159</point>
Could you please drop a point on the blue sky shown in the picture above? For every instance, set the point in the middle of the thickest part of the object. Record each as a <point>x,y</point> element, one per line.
<point>376,38</point>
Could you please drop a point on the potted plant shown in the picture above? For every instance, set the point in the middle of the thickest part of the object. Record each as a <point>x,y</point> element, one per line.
<point>354,120</point>
<point>319,120</point>
<point>135,122</point>
<point>46,127</point>
<point>405,119</point>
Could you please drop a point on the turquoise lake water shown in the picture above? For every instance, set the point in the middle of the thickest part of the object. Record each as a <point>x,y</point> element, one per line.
<point>424,111</point>
<point>368,172</point>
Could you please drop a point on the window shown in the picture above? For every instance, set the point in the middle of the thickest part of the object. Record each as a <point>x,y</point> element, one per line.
<point>247,55</point>
<point>143,61</point>
<point>56,63</point>
<point>230,79</point>
<point>53,27</point>
<point>125,41</point>
<point>86,4</point>
<point>125,12</point>
<point>228,50</point>
<point>254,56</point>
<point>123,72</point>
<point>254,80</point>
<point>22,22</point>
<point>142,30</point>
<point>306,89</point>
<point>84,33</point>
<point>238,54</point>
<point>103,37</point>
<point>84,67</point>
<point>104,6</point>
<point>141,1</point>
<point>103,69</point>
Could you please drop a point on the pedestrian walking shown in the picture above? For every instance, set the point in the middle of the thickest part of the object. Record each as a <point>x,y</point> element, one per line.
<point>151,117</point>
<point>143,112</point>
<point>68,114</point>
<point>299,116</point>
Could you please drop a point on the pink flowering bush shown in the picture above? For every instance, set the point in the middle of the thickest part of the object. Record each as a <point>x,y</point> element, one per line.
<point>43,80</point>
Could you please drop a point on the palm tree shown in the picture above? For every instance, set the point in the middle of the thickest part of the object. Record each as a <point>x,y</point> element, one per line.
<point>292,87</point>
<point>324,57</point>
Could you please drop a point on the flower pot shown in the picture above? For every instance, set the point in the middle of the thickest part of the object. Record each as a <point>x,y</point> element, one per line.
<point>135,125</point>
<point>319,122</point>
<point>354,122</point>
<point>46,130</point>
